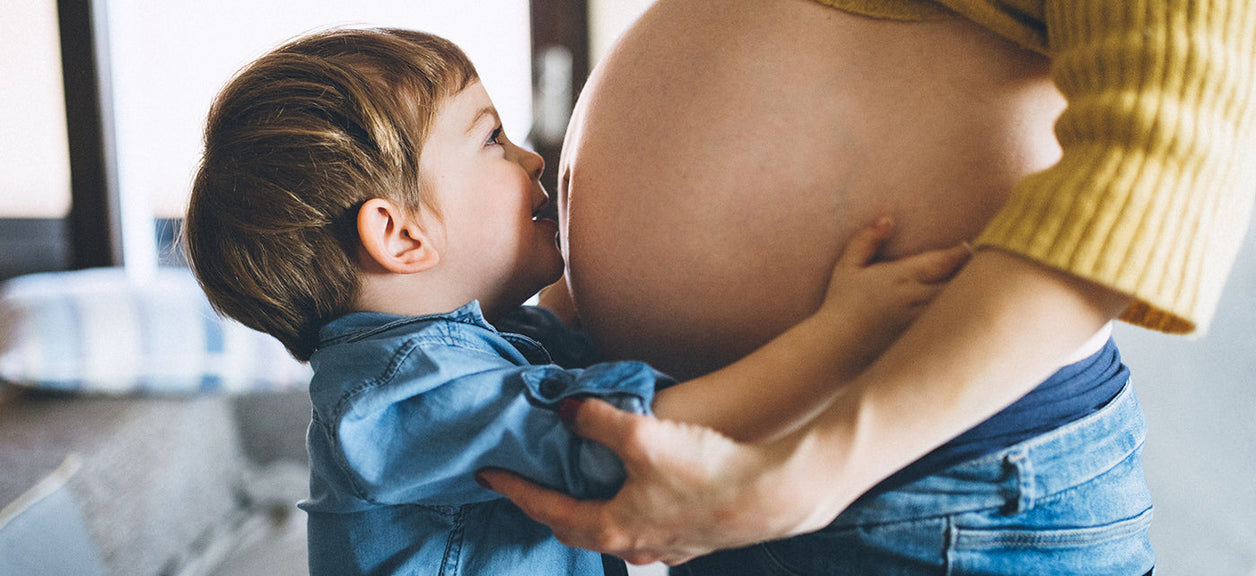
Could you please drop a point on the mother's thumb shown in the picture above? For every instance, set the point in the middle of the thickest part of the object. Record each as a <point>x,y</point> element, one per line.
<point>603,423</point>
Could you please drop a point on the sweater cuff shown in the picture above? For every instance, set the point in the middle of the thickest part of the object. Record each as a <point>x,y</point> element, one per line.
<point>1137,225</point>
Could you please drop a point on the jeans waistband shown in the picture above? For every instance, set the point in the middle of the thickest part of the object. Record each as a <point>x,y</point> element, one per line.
<point>1013,478</point>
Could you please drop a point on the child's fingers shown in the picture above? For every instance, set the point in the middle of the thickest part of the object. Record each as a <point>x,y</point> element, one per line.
<point>938,265</point>
<point>863,245</point>
<point>922,295</point>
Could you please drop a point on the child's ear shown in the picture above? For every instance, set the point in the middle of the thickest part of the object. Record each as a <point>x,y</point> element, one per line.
<point>393,238</point>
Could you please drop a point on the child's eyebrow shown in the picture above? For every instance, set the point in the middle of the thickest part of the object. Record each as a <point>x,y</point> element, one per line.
<point>488,111</point>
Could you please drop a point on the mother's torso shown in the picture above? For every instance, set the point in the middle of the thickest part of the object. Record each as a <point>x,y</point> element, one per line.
<point>723,151</point>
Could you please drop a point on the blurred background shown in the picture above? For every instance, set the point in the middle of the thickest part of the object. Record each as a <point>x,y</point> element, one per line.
<point>101,108</point>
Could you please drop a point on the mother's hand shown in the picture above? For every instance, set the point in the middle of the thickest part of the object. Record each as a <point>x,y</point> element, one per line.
<point>690,491</point>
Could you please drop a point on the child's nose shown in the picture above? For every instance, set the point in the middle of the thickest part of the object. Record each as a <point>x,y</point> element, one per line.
<point>532,162</point>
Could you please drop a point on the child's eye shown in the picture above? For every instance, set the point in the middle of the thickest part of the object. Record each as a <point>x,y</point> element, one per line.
<point>497,137</point>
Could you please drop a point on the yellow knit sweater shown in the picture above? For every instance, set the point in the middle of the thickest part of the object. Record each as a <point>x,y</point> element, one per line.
<point>1155,188</point>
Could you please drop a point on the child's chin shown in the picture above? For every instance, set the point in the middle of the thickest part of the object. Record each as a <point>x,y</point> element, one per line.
<point>556,274</point>
<point>552,274</point>
<point>555,264</point>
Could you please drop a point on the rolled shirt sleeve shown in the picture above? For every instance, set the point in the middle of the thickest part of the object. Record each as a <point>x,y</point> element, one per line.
<point>405,443</point>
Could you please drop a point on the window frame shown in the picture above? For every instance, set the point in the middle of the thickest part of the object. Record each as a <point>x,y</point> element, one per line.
<point>94,222</point>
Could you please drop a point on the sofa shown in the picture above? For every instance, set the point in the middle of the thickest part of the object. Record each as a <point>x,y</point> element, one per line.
<point>142,434</point>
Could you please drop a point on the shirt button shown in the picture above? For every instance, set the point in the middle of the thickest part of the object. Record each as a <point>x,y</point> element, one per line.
<point>552,388</point>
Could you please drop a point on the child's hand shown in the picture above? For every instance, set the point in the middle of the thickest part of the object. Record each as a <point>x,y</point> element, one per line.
<point>880,299</point>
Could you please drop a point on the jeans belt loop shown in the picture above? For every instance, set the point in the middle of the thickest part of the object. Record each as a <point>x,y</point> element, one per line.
<point>1021,495</point>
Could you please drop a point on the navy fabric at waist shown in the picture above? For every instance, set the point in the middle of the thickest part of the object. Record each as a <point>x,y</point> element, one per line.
<point>1073,392</point>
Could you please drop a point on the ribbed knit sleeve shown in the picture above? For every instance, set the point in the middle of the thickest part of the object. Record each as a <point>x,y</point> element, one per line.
<point>1155,187</point>
<point>909,10</point>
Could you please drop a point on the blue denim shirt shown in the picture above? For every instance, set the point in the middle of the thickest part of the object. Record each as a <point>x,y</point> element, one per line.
<point>406,409</point>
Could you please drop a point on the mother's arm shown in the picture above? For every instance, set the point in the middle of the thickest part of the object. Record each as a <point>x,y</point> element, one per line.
<point>1002,325</point>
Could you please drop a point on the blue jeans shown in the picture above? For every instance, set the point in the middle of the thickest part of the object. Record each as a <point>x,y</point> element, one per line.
<point>1070,501</point>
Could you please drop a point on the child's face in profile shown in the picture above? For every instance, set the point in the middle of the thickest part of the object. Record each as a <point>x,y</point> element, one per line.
<point>488,191</point>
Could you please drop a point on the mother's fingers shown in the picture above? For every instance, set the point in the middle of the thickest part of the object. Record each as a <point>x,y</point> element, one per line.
<point>588,524</point>
<point>597,525</point>
<point>579,523</point>
<point>541,504</point>
<point>685,484</point>
<point>605,424</point>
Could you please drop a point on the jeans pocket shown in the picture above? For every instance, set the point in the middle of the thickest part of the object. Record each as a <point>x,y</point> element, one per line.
<point>1119,548</point>
<point>1053,537</point>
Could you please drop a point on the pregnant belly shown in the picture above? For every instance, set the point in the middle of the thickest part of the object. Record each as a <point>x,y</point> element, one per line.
<point>722,153</point>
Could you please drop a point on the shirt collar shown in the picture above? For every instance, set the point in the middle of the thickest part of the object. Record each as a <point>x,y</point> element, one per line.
<point>360,324</point>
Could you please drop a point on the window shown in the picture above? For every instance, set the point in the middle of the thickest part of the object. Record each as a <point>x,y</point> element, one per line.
<point>34,157</point>
<point>159,65</point>
<point>168,59</point>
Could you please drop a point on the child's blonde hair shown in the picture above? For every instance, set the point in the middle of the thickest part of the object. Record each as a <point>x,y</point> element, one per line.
<point>294,144</point>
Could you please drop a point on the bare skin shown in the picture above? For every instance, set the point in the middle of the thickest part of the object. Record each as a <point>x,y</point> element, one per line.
<point>723,152</point>
<point>718,158</point>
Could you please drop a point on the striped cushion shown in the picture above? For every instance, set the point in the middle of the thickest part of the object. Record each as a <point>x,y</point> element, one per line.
<point>103,331</point>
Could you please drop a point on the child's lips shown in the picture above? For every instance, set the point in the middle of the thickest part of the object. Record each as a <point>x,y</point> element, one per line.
<point>546,226</point>
<point>546,211</point>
